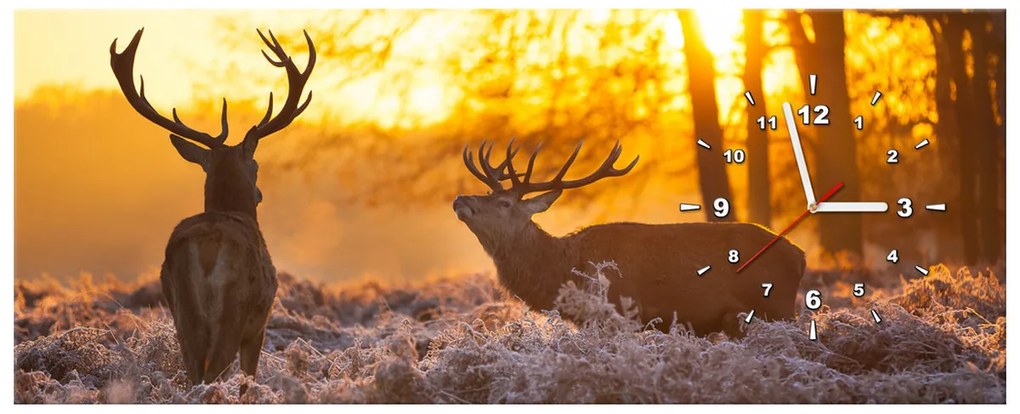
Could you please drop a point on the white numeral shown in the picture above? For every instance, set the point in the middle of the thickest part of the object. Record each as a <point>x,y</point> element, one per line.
<point>893,157</point>
<point>858,289</point>
<point>771,122</point>
<point>722,207</point>
<point>822,117</point>
<point>906,210</point>
<point>813,299</point>
<point>734,256</point>
<point>768,288</point>
<point>894,256</point>
<point>734,156</point>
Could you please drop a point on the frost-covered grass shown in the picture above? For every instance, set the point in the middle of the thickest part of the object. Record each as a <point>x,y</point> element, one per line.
<point>942,339</point>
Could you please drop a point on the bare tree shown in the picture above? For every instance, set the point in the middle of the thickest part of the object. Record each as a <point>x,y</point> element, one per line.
<point>701,80</point>
<point>758,181</point>
<point>836,158</point>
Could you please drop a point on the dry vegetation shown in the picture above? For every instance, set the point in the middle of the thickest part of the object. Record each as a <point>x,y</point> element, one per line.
<point>943,339</point>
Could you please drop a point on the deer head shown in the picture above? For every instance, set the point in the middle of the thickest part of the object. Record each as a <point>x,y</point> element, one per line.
<point>504,212</point>
<point>231,171</point>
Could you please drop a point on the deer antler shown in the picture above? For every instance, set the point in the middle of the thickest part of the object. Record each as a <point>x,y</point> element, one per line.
<point>296,83</point>
<point>493,175</point>
<point>123,68</point>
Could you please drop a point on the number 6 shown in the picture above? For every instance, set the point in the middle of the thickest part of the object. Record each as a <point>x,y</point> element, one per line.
<point>813,299</point>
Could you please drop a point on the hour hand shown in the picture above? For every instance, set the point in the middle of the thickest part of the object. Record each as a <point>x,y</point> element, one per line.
<point>851,207</point>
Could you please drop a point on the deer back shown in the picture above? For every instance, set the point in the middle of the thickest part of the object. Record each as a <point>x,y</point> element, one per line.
<point>658,264</point>
<point>219,282</point>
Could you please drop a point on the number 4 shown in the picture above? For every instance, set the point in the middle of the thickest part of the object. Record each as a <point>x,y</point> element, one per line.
<point>894,256</point>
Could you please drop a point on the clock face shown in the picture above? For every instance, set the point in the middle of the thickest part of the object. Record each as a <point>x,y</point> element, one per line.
<point>785,130</point>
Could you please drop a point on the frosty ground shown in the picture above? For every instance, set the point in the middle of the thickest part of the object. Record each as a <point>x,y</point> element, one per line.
<point>462,340</point>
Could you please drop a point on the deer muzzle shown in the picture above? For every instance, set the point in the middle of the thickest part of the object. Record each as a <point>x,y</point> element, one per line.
<point>461,207</point>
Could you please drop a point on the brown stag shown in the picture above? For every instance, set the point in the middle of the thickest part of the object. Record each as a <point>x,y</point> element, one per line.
<point>217,277</point>
<point>658,264</point>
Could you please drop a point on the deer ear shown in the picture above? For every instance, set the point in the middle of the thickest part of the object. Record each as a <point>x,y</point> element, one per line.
<point>542,202</point>
<point>191,152</point>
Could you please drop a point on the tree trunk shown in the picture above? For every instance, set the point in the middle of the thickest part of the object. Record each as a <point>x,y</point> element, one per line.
<point>946,134</point>
<point>986,141</point>
<point>836,150</point>
<point>964,108</point>
<point>758,180</point>
<point>701,80</point>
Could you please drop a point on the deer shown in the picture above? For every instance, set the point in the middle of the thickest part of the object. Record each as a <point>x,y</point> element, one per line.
<point>658,263</point>
<point>217,277</point>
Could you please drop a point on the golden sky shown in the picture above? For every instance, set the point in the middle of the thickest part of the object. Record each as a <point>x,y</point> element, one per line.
<point>58,47</point>
<point>54,47</point>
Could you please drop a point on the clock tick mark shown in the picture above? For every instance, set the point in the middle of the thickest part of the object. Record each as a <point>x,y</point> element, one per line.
<point>878,95</point>
<point>921,144</point>
<point>704,270</point>
<point>684,207</point>
<point>874,314</point>
<point>921,270</point>
<point>813,333</point>
<point>704,144</point>
<point>749,317</point>
<point>936,207</point>
<point>750,99</point>
<point>813,80</point>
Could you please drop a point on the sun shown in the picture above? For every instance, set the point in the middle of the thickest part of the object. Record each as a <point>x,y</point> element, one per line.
<point>720,29</point>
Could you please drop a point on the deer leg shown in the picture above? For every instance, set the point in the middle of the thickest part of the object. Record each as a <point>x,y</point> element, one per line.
<point>251,350</point>
<point>220,357</point>
<point>193,337</point>
<point>194,352</point>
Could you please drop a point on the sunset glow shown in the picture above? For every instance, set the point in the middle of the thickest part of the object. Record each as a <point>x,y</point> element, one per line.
<point>434,81</point>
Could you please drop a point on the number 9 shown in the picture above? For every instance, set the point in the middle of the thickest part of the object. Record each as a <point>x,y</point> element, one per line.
<point>722,207</point>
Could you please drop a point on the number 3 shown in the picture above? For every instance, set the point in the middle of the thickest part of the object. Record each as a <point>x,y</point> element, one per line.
<point>907,210</point>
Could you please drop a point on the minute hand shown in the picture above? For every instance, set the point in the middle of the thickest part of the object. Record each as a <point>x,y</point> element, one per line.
<point>798,153</point>
<point>852,207</point>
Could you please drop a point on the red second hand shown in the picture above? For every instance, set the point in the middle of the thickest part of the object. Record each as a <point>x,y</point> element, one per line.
<point>826,196</point>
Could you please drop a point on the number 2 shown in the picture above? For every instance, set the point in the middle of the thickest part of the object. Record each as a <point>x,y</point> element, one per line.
<point>893,157</point>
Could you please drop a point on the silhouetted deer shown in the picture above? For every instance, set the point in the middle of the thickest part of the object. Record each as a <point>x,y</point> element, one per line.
<point>218,278</point>
<point>658,263</point>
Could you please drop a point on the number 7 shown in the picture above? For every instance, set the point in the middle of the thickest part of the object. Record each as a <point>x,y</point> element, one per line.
<point>767,287</point>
